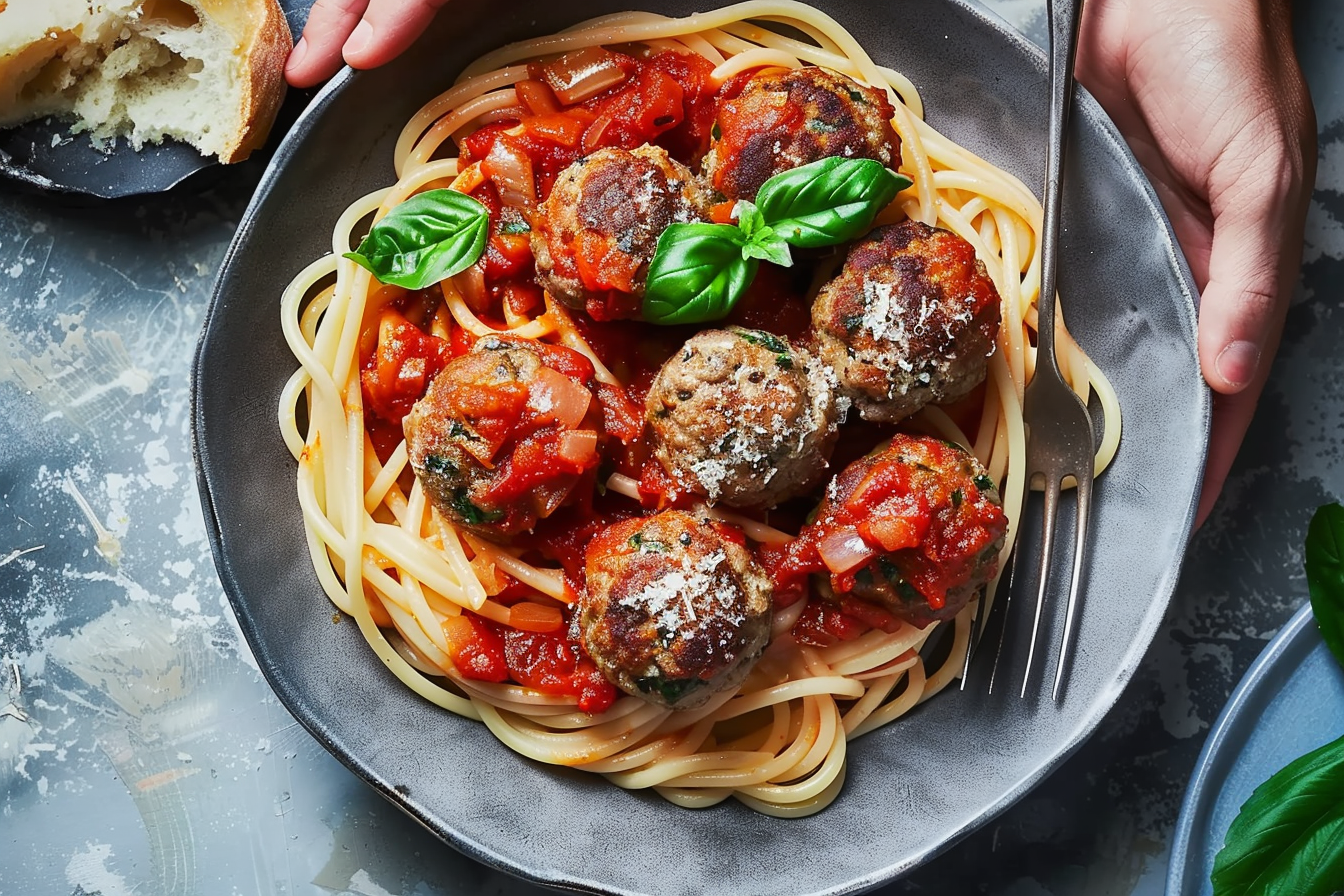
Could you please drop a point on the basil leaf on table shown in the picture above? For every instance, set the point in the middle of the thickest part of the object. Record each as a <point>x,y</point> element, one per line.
<point>828,201</point>
<point>698,273</point>
<point>1288,839</point>
<point>428,238</point>
<point>1325,576</point>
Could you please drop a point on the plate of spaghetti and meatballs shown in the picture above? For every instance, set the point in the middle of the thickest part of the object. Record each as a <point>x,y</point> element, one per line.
<point>649,433</point>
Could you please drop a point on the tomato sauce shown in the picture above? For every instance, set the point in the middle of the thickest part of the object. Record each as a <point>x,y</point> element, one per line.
<point>669,100</point>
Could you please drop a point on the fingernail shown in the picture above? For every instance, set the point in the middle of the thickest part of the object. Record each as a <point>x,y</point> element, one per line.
<point>359,39</point>
<point>1237,363</point>
<point>296,55</point>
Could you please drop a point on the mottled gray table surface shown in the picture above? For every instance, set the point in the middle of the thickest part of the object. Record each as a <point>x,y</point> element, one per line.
<point>142,752</point>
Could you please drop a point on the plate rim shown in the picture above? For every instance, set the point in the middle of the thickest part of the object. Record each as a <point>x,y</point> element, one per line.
<point>1284,653</point>
<point>1186,304</point>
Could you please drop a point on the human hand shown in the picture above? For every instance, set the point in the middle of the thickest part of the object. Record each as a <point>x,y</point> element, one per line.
<point>1210,98</point>
<point>364,33</point>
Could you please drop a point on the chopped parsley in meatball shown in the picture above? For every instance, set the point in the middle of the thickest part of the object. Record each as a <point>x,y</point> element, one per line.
<point>676,608</point>
<point>594,236</point>
<point>910,320</point>
<point>504,434</point>
<point>742,417</point>
<point>784,118</point>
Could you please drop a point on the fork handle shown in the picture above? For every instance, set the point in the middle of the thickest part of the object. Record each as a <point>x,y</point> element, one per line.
<point>1064,19</point>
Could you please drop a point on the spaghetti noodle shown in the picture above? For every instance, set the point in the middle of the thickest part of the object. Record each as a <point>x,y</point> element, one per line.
<point>387,558</point>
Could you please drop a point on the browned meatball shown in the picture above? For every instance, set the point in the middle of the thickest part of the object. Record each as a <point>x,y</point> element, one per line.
<point>504,434</point>
<point>596,233</point>
<point>910,321</point>
<point>676,608</point>
<point>784,118</point>
<point>742,417</point>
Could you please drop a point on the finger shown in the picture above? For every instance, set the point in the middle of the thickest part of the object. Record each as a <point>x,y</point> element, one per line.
<point>317,56</point>
<point>387,29</point>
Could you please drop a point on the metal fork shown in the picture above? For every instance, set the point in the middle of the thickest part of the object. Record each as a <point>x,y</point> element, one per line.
<point>1059,431</point>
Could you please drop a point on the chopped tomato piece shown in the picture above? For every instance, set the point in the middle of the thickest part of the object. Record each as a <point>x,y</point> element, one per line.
<point>404,360</point>
<point>476,146</point>
<point>536,461</point>
<point>508,255</point>
<point>536,97</point>
<point>823,624</point>
<point>534,617</point>
<point>476,648</point>
<point>621,417</point>
<point>553,664</point>
<point>560,128</point>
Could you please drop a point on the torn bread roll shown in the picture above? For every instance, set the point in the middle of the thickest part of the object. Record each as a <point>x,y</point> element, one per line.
<point>207,72</point>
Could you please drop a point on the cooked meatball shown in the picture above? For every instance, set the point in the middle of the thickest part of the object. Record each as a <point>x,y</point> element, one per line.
<point>910,320</point>
<point>504,434</point>
<point>596,233</point>
<point>676,608</point>
<point>742,417</point>
<point>784,118</point>
<point>915,527</point>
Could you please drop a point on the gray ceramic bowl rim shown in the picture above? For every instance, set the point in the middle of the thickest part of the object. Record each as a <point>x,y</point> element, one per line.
<point>535,870</point>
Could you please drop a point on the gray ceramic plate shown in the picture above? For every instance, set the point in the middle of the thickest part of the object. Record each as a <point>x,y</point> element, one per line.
<point>1290,702</point>
<point>913,787</point>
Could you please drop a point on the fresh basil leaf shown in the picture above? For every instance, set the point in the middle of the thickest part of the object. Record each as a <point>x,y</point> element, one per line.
<point>1289,836</point>
<point>749,218</point>
<point>768,245</point>
<point>761,240</point>
<point>828,201</point>
<point>1325,574</point>
<point>698,273</point>
<point>428,238</point>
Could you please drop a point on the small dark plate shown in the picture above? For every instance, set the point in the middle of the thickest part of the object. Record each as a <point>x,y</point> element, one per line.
<point>913,787</point>
<point>1290,702</point>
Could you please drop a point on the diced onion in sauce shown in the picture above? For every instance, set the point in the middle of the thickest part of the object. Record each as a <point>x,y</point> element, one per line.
<point>583,74</point>
<point>511,170</point>
<point>844,550</point>
<point>577,446</point>
<point>555,396</point>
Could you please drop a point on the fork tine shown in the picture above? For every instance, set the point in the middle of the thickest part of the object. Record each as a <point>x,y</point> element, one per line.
<point>1084,492</point>
<point>985,605</point>
<point>977,628</point>
<point>1052,485</point>
<point>1004,616</point>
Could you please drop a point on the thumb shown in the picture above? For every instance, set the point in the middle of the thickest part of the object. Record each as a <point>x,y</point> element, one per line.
<point>1257,246</point>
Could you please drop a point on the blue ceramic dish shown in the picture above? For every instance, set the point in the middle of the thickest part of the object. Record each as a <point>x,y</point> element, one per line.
<point>1290,702</point>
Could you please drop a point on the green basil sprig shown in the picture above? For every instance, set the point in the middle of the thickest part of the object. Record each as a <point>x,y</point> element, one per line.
<point>700,271</point>
<point>428,238</point>
<point>1289,836</point>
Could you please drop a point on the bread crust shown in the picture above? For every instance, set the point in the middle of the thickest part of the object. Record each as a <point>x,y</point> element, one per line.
<point>260,30</point>
<point>249,43</point>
